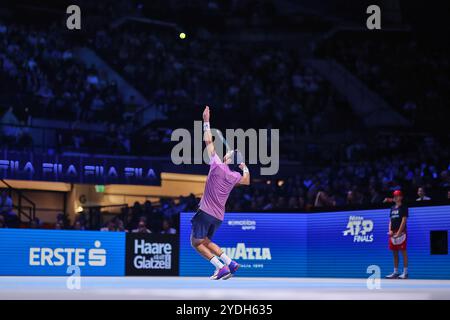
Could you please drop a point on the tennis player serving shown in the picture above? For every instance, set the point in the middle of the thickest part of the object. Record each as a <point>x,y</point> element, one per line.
<point>208,218</point>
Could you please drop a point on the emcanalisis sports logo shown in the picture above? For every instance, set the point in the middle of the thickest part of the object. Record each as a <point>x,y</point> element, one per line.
<point>244,224</point>
<point>55,257</point>
<point>360,228</point>
<point>244,253</point>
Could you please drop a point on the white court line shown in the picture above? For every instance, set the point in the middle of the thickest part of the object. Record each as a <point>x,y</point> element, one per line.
<point>190,288</point>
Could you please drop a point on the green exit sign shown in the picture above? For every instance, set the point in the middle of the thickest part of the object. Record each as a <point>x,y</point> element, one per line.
<point>100,188</point>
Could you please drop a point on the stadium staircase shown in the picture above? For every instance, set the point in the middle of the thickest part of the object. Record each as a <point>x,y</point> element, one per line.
<point>368,105</point>
<point>25,208</point>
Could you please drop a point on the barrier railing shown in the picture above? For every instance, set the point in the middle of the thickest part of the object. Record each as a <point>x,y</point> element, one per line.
<point>29,210</point>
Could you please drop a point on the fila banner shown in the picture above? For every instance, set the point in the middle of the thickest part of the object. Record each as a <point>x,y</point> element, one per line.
<point>79,168</point>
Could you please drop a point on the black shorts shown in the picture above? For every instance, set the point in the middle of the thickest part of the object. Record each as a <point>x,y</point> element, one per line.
<point>204,225</point>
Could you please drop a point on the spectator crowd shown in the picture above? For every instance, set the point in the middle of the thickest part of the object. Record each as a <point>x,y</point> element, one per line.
<point>179,77</point>
<point>44,79</point>
<point>257,86</point>
<point>410,72</point>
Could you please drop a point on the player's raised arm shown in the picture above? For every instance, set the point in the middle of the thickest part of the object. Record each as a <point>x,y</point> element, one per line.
<point>207,136</point>
<point>245,180</point>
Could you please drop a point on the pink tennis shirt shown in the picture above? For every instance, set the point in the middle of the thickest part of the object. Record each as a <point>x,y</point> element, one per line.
<point>219,183</point>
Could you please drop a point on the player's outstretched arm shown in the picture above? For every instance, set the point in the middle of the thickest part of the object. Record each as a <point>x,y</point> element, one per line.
<point>207,136</point>
<point>245,180</point>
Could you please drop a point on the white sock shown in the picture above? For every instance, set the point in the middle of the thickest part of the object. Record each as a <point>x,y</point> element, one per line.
<point>216,262</point>
<point>225,258</point>
<point>405,270</point>
<point>395,270</point>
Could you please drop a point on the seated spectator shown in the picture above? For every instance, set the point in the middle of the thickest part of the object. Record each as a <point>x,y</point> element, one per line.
<point>2,222</point>
<point>110,226</point>
<point>78,225</point>
<point>324,200</point>
<point>375,196</point>
<point>137,211</point>
<point>422,195</point>
<point>63,221</point>
<point>148,208</point>
<point>120,226</point>
<point>6,203</point>
<point>6,211</point>
<point>166,228</point>
<point>9,124</point>
<point>354,198</point>
<point>142,228</point>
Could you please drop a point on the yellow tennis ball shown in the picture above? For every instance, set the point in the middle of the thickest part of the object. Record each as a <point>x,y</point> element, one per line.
<point>182,35</point>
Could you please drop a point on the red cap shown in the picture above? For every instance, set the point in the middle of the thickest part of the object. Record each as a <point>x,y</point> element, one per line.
<point>398,193</point>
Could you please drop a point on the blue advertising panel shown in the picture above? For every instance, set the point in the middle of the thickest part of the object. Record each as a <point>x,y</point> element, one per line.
<point>421,223</point>
<point>50,252</point>
<point>329,244</point>
<point>266,245</point>
<point>344,244</point>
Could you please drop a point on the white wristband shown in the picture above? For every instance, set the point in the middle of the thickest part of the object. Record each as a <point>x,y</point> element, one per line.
<point>206,126</point>
<point>245,170</point>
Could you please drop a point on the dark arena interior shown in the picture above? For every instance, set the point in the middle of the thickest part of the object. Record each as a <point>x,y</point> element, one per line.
<point>224,150</point>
